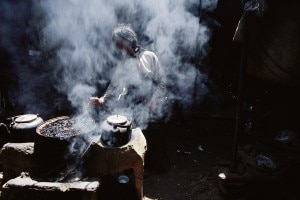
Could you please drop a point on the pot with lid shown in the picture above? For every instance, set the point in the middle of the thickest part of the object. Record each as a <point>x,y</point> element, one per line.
<point>23,127</point>
<point>116,131</point>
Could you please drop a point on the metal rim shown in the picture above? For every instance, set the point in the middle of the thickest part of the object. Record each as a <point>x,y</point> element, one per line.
<point>26,118</point>
<point>117,119</point>
<point>42,125</point>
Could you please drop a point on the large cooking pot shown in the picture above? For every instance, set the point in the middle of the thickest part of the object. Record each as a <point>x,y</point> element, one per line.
<point>58,147</point>
<point>116,131</point>
<point>22,127</point>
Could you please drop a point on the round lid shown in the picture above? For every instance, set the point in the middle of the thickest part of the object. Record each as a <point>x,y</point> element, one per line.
<point>116,119</point>
<point>26,118</point>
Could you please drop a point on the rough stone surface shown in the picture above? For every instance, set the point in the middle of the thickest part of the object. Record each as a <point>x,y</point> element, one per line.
<point>16,158</point>
<point>23,187</point>
<point>28,182</point>
<point>101,160</point>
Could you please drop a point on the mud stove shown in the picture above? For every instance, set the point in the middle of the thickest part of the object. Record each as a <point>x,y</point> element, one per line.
<point>94,169</point>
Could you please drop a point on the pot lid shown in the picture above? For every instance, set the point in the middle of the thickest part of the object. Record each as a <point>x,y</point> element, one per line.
<point>26,118</point>
<point>116,119</point>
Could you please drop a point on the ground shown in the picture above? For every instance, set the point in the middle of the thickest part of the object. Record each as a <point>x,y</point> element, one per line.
<point>197,146</point>
<point>194,150</point>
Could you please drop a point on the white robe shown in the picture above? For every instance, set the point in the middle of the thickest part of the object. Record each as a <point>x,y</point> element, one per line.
<point>137,83</point>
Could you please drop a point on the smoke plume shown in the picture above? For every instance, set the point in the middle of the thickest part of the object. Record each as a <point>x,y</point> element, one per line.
<point>75,38</point>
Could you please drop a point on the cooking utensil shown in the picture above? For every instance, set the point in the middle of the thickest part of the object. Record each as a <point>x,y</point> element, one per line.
<point>116,131</point>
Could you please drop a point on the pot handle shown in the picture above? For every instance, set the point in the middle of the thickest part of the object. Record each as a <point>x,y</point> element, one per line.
<point>12,124</point>
<point>12,119</point>
<point>5,126</point>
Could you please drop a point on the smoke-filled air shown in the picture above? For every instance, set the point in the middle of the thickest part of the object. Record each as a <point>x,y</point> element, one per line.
<point>75,37</point>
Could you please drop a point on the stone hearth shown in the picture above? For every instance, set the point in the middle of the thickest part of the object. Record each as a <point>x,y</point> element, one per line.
<point>19,162</point>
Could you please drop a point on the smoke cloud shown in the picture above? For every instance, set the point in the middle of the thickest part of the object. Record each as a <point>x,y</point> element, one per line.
<point>62,49</point>
<point>75,38</point>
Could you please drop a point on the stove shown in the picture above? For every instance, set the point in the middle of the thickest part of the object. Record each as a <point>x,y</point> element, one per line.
<point>48,168</point>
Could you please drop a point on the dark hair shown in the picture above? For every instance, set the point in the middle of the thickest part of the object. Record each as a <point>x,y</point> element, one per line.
<point>124,32</point>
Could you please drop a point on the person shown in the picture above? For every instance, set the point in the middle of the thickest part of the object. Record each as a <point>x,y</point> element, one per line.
<point>139,81</point>
<point>139,86</point>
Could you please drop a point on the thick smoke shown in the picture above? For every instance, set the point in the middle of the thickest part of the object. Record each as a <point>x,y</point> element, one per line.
<point>75,38</point>
<point>81,33</point>
<point>69,53</point>
<point>28,80</point>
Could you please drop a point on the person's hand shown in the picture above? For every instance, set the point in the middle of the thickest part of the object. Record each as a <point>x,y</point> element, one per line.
<point>95,101</point>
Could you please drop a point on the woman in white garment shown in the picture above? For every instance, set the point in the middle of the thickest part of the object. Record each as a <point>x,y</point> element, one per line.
<point>139,86</point>
<point>139,83</point>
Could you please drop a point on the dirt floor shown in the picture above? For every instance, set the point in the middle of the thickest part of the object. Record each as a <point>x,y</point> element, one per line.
<point>197,148</point>
<point>193,150</point>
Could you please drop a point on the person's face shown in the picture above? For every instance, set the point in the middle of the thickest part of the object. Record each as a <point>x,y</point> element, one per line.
<point>124,47</point>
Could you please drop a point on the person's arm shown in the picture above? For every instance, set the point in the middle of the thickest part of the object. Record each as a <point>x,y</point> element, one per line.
<point>109,93</point>
<point>159,81</point>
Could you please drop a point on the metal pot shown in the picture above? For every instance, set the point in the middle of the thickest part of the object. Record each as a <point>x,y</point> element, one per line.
<point>23,127</point>
<point>116,131</point>
<point>57,151</point>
